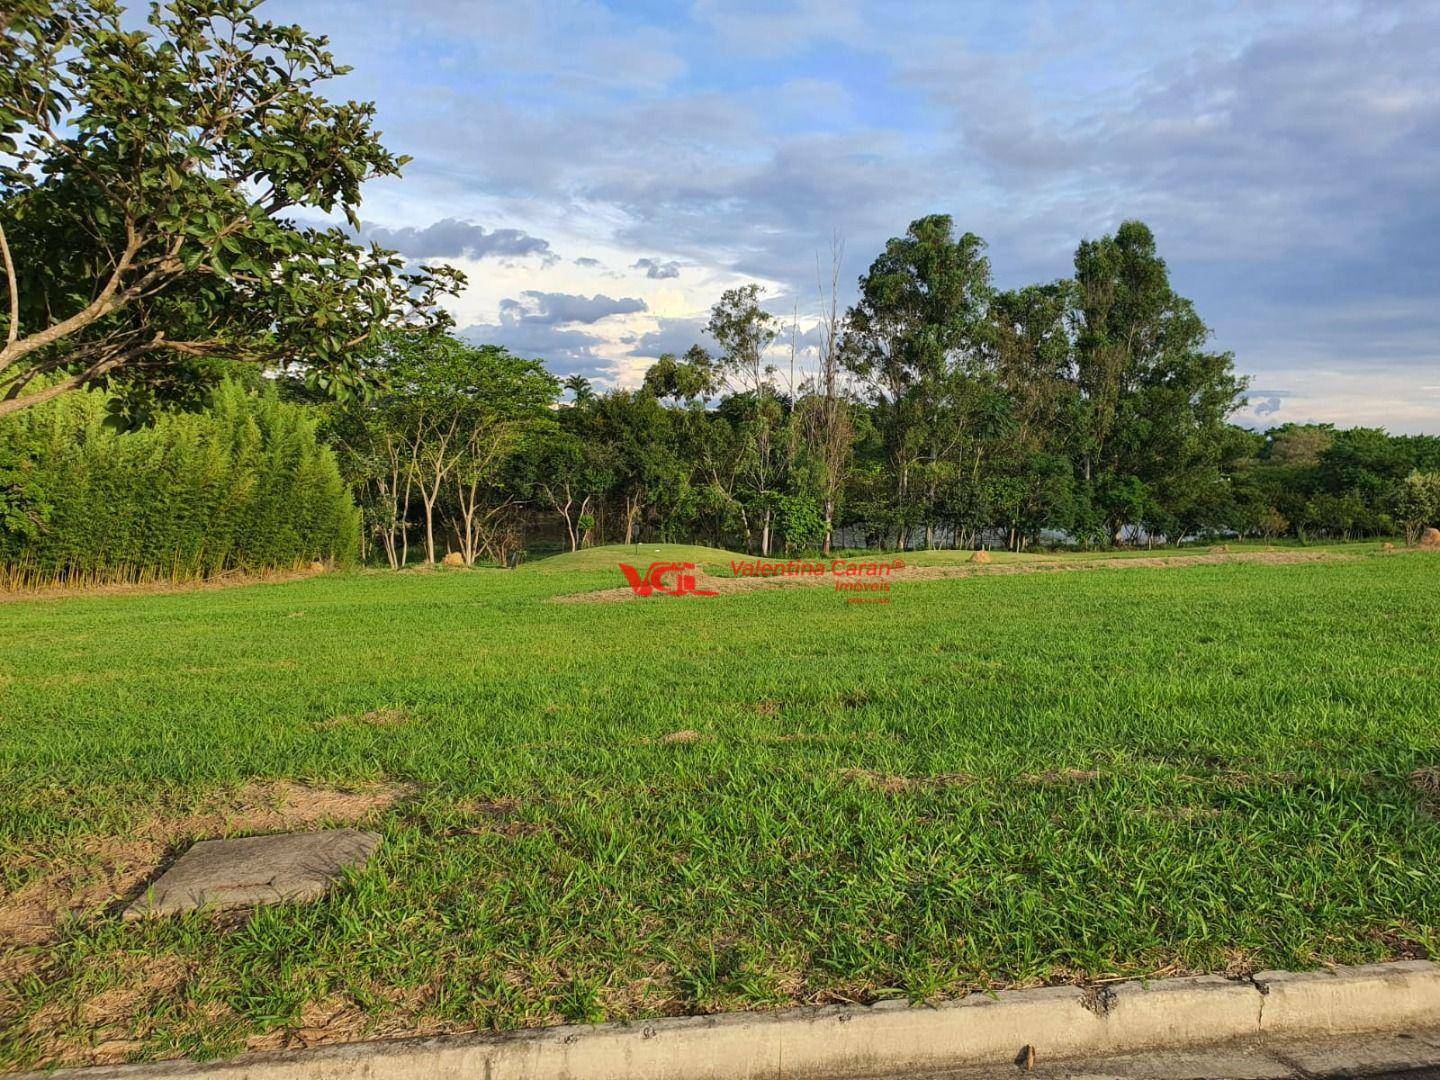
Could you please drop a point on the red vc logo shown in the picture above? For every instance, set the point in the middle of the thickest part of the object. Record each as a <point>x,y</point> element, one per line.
<point>654,580</point>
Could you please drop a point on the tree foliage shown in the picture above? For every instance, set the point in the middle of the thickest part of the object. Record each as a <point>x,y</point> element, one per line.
<point>148,197</point>
<point>941,411</point>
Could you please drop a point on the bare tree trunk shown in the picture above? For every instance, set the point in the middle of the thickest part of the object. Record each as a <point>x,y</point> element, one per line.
<point>436,456</point>
<point>563,509</point>
<point>632,514</point>
<point>429,500</point>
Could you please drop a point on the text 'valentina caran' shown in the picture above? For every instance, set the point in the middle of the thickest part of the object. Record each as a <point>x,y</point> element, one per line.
<point>796,568</point>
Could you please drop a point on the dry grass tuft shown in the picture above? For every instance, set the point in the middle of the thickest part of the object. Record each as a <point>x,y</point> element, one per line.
<point>1427,781</point>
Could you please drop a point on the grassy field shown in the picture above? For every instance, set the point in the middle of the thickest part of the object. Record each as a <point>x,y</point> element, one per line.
<point>676,805</point>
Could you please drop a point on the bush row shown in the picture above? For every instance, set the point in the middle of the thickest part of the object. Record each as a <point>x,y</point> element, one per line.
<point>244,485</point>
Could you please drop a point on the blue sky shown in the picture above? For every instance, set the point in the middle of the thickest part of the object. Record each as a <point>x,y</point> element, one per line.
<point>602,171</point>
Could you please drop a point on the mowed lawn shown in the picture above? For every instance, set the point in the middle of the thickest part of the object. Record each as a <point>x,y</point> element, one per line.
<point>991,781</point>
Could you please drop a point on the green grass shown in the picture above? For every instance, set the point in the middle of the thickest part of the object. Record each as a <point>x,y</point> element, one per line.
<point>989,781</point>
<point>946,557</point>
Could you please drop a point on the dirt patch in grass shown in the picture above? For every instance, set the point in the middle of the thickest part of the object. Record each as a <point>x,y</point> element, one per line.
<point>1427,782</point>
<point>491,817</point>
<point>112,1027</point>
<point>108,1027</point>
<point>688,735</point>
<point>380,718</point>
<point>727,585</point>
<point>139,979</point>
<point>683,737</point>
<point>106,869</point>
<point>894,785</point>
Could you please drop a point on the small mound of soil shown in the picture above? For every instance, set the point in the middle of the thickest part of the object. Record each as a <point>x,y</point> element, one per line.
<point>688,735</point>
<point>453,558</point>
<point>1430,539</point>
<point>981,556</point>
<point>1219,549</point>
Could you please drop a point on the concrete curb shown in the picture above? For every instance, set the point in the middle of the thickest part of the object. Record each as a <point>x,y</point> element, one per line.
<point>888,1038</point>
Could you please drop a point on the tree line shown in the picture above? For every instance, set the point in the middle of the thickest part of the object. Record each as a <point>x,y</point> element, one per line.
<point>937,410</point>
<point>155,249</point>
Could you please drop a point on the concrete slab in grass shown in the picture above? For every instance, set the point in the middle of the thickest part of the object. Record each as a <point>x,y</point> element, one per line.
<point>255,870</point>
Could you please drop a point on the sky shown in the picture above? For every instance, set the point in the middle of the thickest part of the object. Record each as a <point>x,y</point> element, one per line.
<point>602,171</point>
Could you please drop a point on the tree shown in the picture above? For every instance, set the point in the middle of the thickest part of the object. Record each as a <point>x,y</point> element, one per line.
<point>1033,358</point>
<point>245,484</point>
<point>375,460</point>
<point>642,462</point>
<point>681,379</point>
<point>1416,503</point>
<point>1153,401</point>
<point>579,389</point>
<point>567,479</point>
<point>148,180</point>
<point>914,337</point>
<point>824,414</point>
<point>745,331</point>
<point>510,407</point>
<point>451,412</point>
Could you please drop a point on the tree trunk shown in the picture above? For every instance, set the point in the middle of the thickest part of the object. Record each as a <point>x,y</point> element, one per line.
<point>429,527</point>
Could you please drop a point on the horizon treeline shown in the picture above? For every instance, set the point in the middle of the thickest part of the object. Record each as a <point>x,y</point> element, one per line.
<point>937,411</point>
<point>158,268</point>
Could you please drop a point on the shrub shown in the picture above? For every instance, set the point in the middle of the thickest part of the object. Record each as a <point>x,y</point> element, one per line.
<point>1416,502</point>
<point>801,522</point>
<point>244,485</point>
